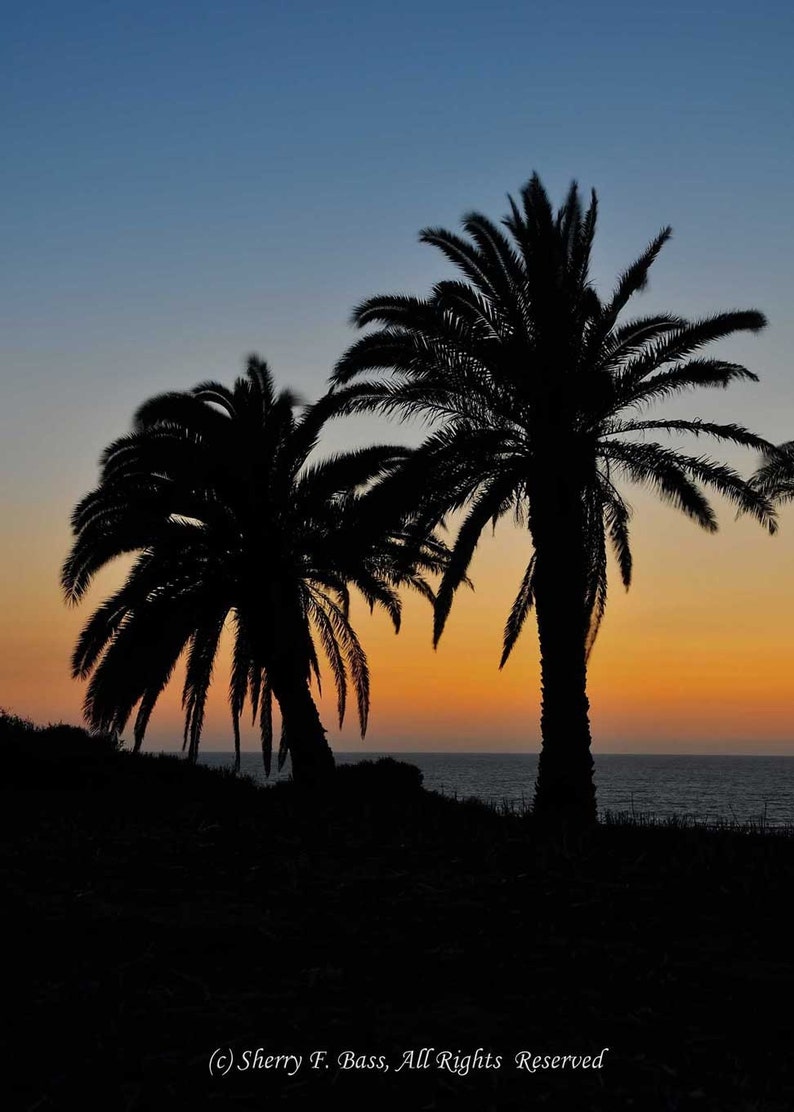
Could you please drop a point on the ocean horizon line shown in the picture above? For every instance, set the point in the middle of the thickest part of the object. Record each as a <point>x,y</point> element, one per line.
<point>364,753</point>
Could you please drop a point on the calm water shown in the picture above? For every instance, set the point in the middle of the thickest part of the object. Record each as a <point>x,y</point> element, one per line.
<point>743,789</point>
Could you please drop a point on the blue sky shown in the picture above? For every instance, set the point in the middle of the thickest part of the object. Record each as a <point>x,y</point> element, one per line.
<point>184,183</point>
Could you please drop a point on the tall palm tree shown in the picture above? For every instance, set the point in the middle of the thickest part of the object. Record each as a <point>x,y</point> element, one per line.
<point>537,388</point>
<point>230,522</point>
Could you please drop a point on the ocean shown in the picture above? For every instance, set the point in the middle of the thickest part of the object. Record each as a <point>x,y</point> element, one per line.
<point>710,789</point>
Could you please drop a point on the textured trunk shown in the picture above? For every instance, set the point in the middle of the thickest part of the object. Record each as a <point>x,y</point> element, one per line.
<point>564,791</point>
<point>311,756</point>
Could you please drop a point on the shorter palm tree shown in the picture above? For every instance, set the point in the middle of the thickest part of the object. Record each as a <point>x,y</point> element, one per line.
<point>231,524</point>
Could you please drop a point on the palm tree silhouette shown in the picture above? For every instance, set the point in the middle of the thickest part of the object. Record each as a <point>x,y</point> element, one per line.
<point>536,387</point>
<point>230,522</point>
<point>775,475</point>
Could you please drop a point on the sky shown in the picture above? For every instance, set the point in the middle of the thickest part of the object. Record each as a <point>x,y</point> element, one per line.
<point>187,183</point>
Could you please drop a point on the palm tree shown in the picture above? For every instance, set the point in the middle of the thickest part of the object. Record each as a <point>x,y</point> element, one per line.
<point>775,475</point>
<point>230,522</point>
<point>536,388</point>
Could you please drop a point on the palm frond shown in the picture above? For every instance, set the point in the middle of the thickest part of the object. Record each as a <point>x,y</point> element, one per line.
<point>488,504</point>
<point>519,610</point>
<point>734,434</point>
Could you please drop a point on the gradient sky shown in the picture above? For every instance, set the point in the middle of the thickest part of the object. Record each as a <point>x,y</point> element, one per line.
<point>189,182</point>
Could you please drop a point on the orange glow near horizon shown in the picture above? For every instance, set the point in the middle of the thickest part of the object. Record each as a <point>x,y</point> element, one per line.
<point>694,658</point>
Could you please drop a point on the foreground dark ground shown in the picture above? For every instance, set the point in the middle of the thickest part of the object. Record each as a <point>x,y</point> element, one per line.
<point>157,912</point>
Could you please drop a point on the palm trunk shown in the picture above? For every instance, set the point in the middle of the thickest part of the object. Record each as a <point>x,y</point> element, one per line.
<point>286,652</point>
<point>311,756</point>
<point>564,791</point>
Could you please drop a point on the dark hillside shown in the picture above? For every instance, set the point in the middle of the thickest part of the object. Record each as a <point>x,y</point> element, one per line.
<point>157,912</point>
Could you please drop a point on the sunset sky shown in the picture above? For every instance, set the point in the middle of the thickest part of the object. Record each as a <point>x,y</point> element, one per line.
<point>187,183</point>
